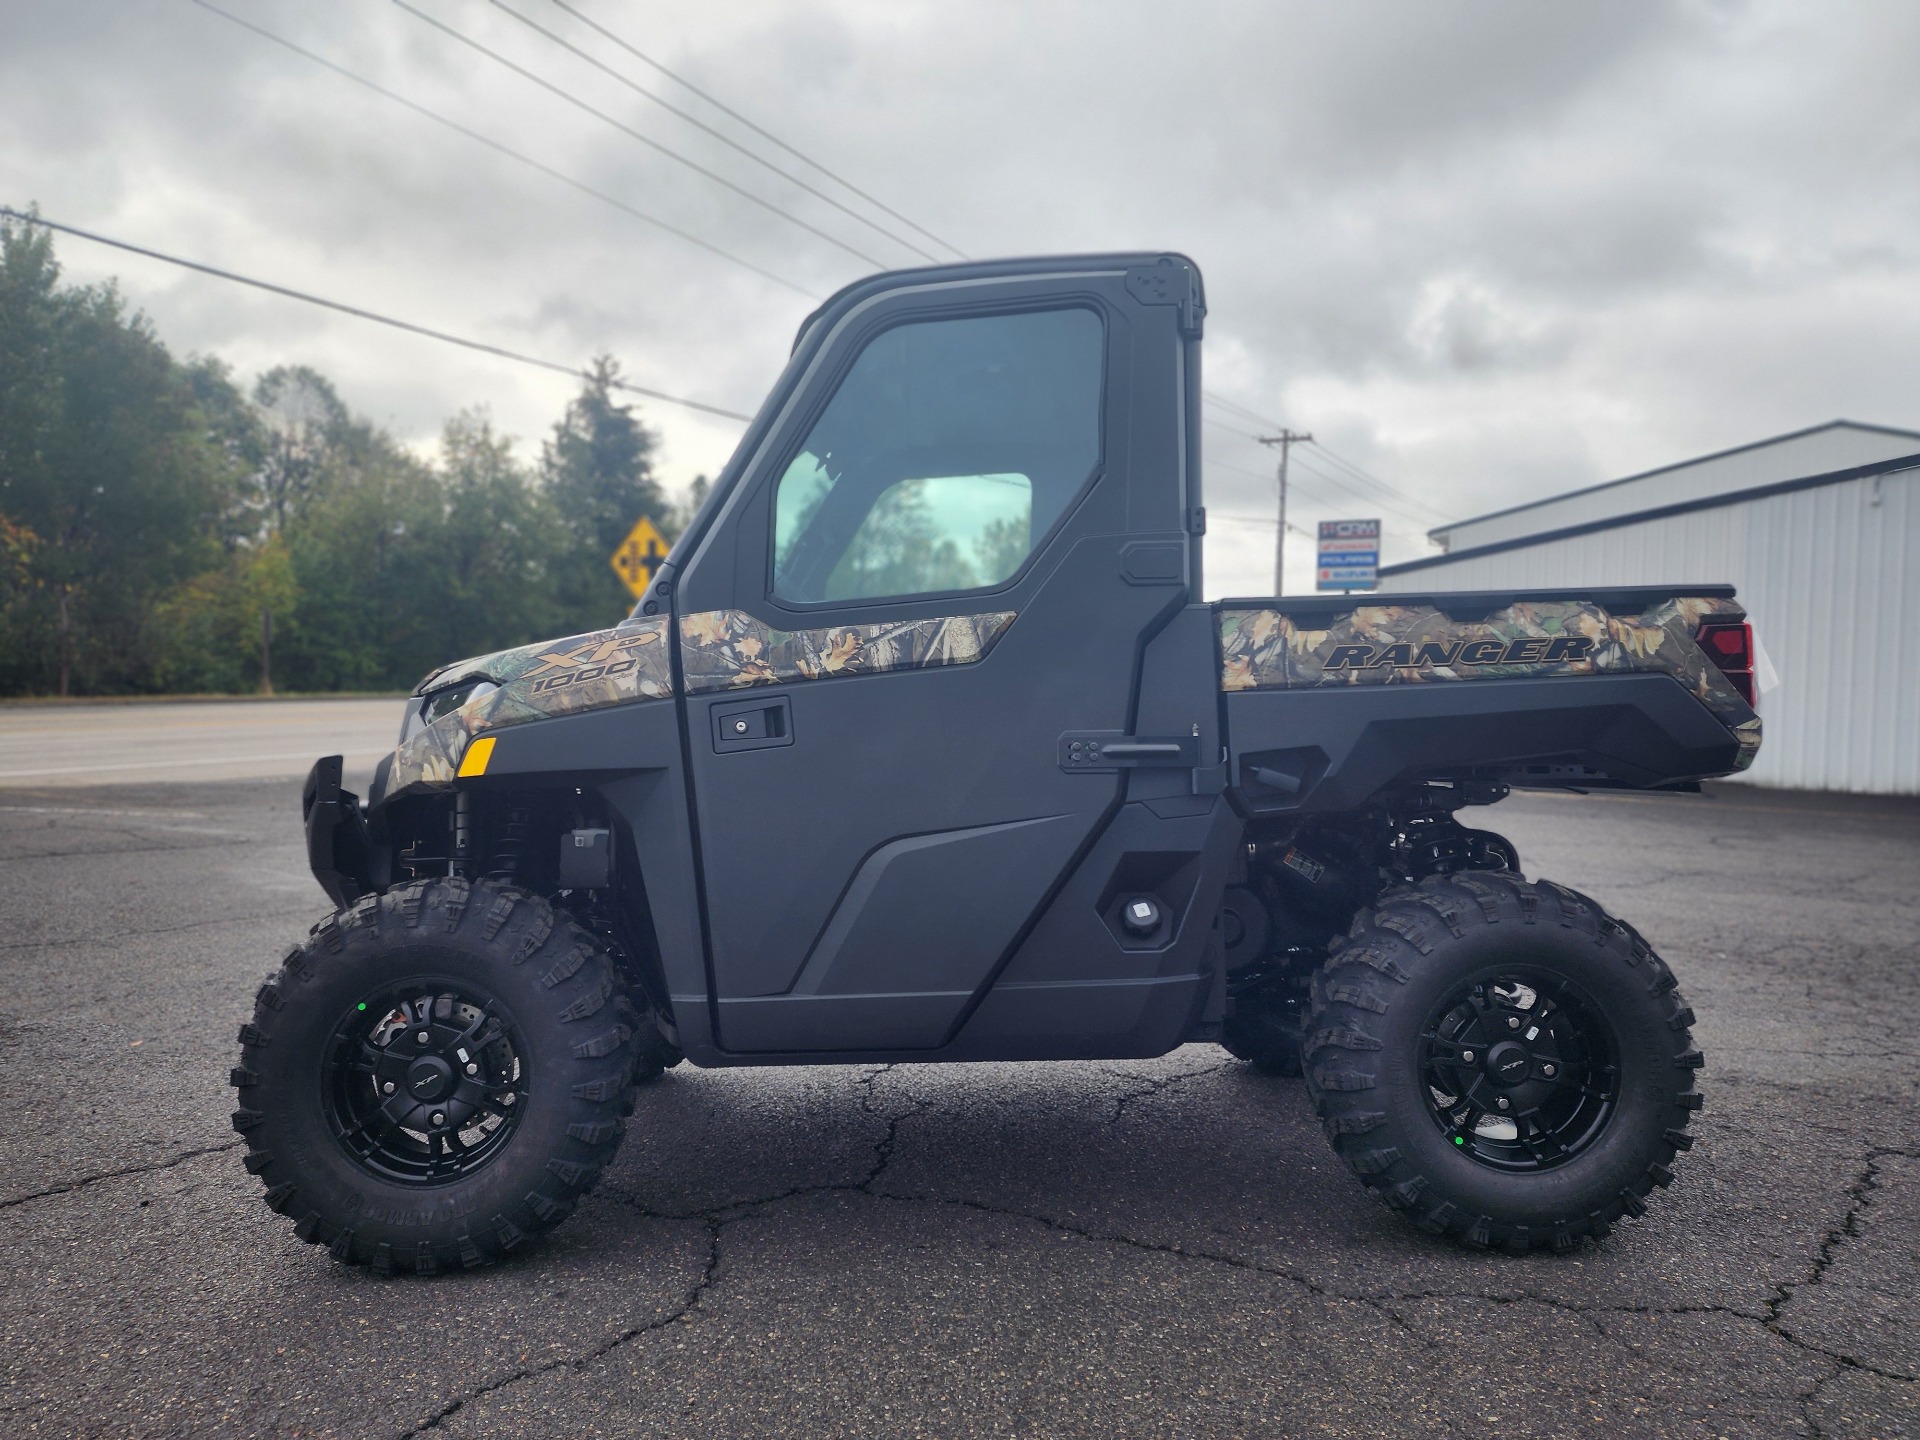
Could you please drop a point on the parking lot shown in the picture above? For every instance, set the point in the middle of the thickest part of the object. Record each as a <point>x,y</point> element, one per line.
<point>1130,1249</point>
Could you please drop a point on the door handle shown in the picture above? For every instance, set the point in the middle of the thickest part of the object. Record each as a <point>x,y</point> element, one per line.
<point>1084,750</point>
<point>752,724</point>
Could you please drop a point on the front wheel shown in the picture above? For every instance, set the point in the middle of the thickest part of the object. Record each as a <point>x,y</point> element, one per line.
<point>1502,1061</point>
<point>435,1076</point>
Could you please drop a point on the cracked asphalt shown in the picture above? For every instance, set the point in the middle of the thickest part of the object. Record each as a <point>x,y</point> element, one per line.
<point>1112,1249</point>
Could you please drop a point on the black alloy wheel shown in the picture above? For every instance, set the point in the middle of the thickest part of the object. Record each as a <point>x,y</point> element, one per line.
<point>1521,1071</point>
<point>426,1080</point>
<point>1502,1061</point>
<point>438,1074</point>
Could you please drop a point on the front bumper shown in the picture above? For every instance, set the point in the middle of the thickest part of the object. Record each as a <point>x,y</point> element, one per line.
<point>339,845</point>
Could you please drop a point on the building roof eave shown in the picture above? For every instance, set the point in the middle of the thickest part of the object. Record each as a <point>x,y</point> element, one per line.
<point>1447,529</point>
<point>1661,512</point>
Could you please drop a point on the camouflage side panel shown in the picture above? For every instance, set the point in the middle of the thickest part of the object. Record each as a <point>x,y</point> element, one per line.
<point>555,677</point>
<point>729,649</point>
<point>1266,649</point>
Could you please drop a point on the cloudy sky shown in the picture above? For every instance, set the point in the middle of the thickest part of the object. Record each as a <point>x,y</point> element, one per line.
<point>1485,250</point>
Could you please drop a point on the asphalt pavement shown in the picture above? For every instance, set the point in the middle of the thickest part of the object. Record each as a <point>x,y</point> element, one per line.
<point>189,741</point>
<point>1106,1249</point>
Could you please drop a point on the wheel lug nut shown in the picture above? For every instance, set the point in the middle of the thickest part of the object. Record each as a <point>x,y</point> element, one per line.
<point>440,1118</point>
<point>1466,1057</point>
<point>1513,1023</point>
<point>1504,1102</point>
<point>387,1089</point>
<point>423,1037</point>
<point>473,1069</point>
<point>1547,1070</point>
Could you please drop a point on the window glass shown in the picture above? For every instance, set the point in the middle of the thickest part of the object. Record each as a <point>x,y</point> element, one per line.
<point>955,532</point>
<point>950,448</point>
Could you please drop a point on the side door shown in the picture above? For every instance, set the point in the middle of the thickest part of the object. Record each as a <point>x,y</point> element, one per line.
<point>943,557</point>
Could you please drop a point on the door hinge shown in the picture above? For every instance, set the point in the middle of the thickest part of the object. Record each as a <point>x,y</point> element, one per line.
<point>1171,282</point>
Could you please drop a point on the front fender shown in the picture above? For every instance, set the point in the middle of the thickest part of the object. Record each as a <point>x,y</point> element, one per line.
<point>584,674</point>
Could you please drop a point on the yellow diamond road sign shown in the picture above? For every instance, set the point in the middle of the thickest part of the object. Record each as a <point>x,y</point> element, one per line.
<point>639,556</point>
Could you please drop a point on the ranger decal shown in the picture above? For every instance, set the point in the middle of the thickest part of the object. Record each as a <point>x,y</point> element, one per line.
<point>1267,648</point>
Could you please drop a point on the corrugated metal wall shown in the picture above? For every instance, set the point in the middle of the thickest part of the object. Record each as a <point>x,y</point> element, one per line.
<point>1838,446</point>
<point>1831,578</point>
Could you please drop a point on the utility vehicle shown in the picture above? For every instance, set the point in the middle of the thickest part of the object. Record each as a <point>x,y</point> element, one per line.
<point>922,746</point>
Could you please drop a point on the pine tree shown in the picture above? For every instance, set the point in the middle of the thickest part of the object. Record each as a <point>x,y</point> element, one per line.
<point>598,469</point>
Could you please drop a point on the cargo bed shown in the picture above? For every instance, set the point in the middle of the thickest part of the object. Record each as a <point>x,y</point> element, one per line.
<point>1328,699</point>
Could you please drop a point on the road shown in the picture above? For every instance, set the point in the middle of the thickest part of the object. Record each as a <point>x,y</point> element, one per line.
<point>49,744</point>
<point>1138,1249</point>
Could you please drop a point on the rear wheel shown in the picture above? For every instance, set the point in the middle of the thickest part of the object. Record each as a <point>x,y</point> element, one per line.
<point>1502,1061</point>
<point>436,1075</point>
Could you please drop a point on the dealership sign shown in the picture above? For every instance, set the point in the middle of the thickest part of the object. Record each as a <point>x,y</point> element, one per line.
<point>1349,555</point>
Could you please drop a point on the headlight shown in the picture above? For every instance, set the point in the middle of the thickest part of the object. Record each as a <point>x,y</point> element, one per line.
<point>430,707</point>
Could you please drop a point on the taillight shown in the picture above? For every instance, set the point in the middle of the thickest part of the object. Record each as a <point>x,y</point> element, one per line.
<point>1729,645</point>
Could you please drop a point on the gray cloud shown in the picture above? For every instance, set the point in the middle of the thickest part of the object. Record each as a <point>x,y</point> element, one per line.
<point>1487,248</point>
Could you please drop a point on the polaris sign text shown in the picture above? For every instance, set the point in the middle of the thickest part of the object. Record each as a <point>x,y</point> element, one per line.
<point>1349,555</point>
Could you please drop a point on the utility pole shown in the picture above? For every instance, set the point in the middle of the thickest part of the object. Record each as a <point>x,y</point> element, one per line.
<point>1286,440</point>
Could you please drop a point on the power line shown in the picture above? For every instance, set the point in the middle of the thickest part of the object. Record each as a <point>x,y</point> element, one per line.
<point>1324,498</point>
<point>702,125</point>
<point>1388,490</point>
<point>1363,476</point>
<point>1219,400</point>
<point>648,141</point>
<point>1259,520</point>
<point>1265,422</point>
<point>763,133</point>
<point>1230,429</point>
<point>1329,479</point>
<point>1377,491</point>
<point>1308,492</point>
<point>496,350</point>
<point>510,153</point>
<point>1213,464</point>
<point>1366,477</point>
<point>354,310</point>
<point>1393,500</point>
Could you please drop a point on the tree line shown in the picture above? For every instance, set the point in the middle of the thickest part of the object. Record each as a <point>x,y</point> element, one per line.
<point>163,528</point>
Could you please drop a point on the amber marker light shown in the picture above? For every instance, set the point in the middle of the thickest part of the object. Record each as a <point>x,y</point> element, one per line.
<point>474,762</point>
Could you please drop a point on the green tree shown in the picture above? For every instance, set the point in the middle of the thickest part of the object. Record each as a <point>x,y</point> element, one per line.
<point>367,562</point>
<point>503,543</point>
<point>304,432</point>
<point>598,469</point>
<point>208,632</point>
<point>108,458</point>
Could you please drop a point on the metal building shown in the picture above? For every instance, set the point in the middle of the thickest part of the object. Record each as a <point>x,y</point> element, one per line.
<point>1820,530</point>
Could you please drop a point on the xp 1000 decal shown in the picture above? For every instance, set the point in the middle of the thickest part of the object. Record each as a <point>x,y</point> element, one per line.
<point>534,682</point>
<point>720,650</point>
